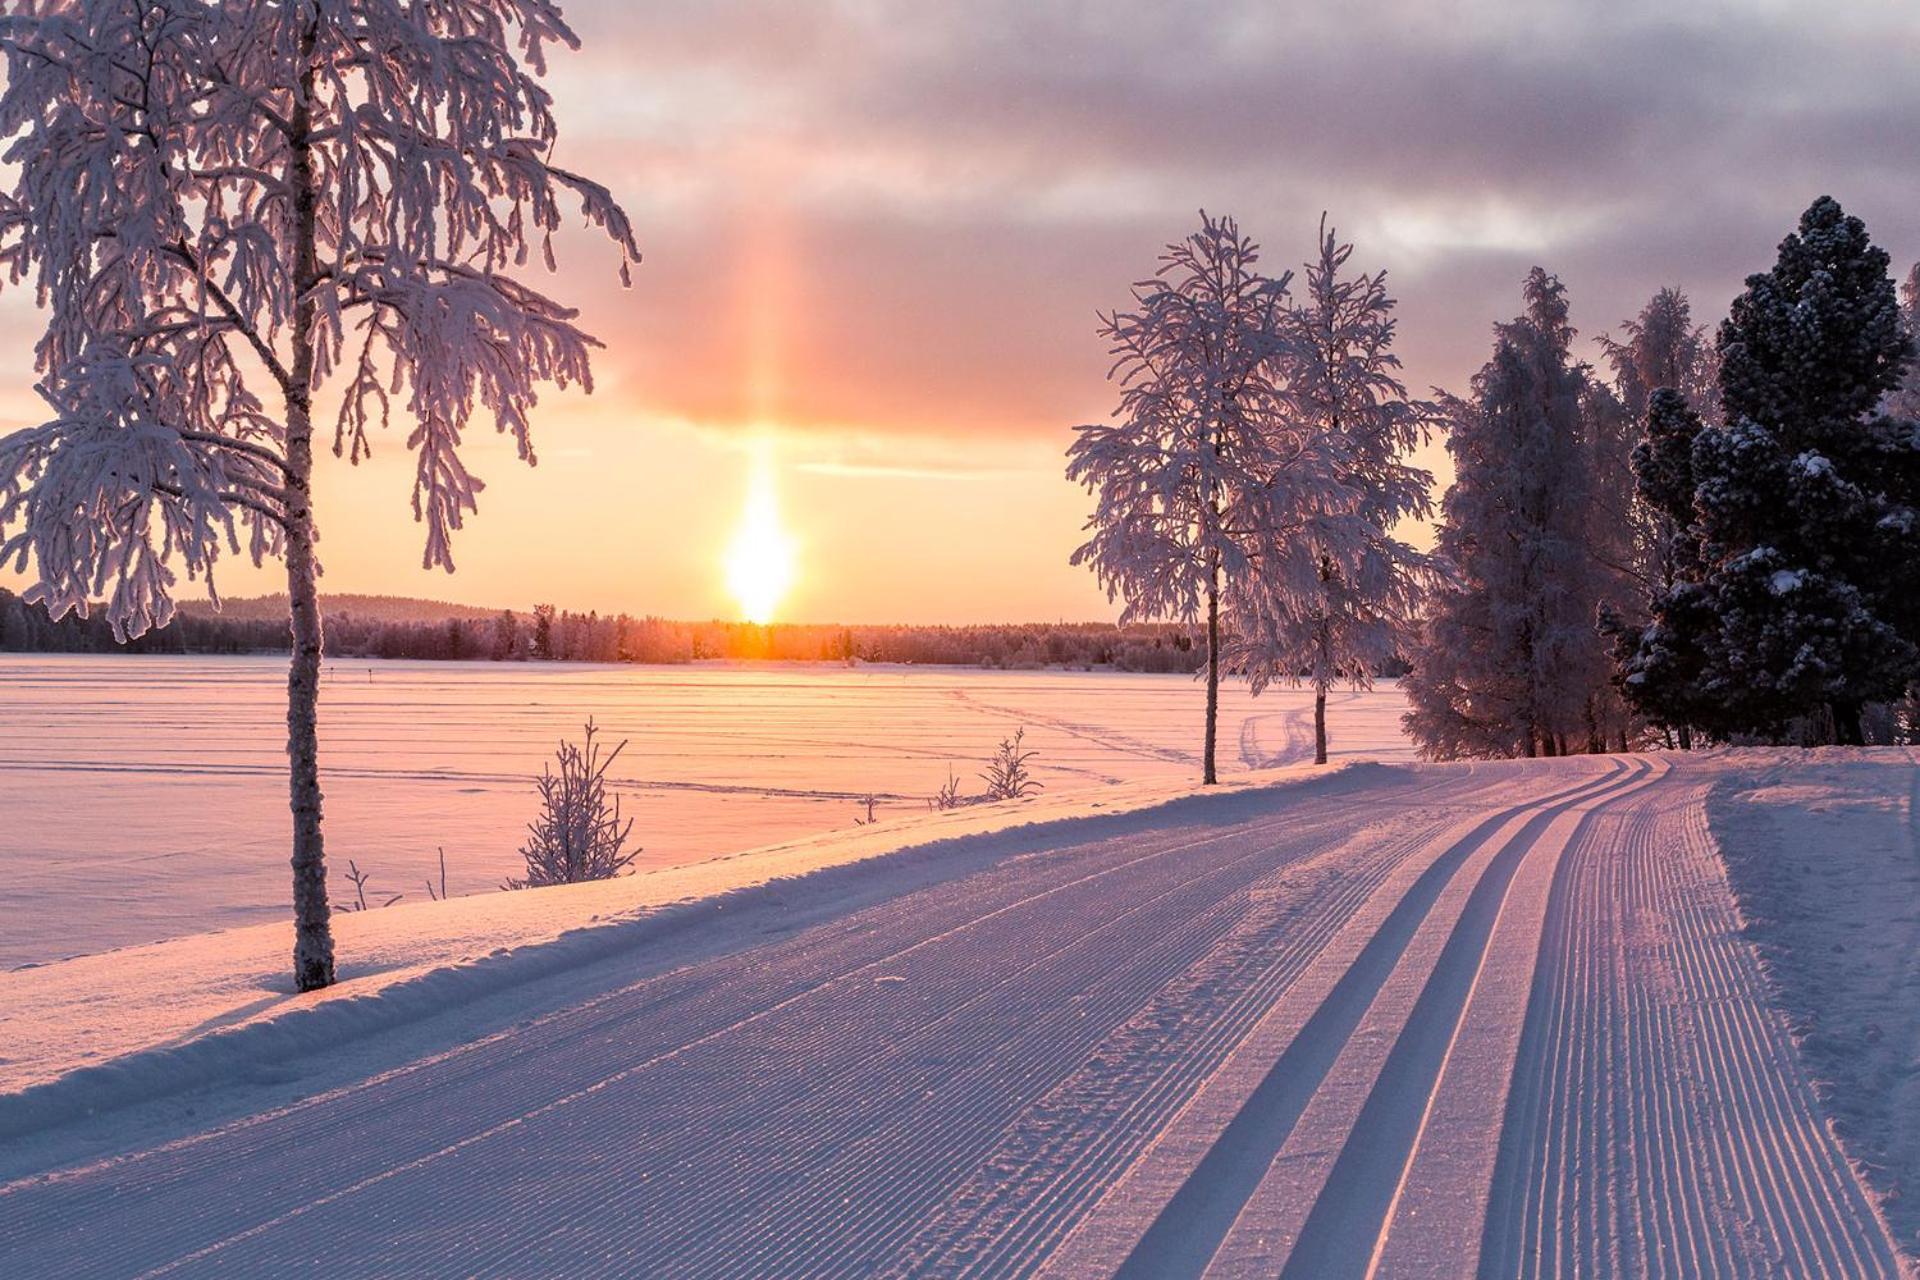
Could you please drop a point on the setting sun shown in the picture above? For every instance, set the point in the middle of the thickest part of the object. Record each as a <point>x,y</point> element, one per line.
<point>760,563</point>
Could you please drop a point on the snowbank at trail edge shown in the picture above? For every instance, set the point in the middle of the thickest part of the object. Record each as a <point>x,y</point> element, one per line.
<point>91,1034</point>
<point>1821,852</point>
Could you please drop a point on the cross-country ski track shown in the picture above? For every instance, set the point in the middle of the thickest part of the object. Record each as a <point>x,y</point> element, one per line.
<point>1491,1020</point>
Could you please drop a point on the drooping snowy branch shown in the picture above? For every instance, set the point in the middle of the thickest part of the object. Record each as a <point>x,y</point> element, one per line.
<point>1336,591</point>
<point>104,496</point>
<point>164,153</point>
<point>1182,471</point>
<point>445,346</point>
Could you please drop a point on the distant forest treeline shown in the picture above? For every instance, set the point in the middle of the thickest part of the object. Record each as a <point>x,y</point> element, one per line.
<point>395,627</point>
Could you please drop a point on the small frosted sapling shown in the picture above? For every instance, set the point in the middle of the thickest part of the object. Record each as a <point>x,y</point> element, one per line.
<point>1006,775</point>
<point>579,834</point>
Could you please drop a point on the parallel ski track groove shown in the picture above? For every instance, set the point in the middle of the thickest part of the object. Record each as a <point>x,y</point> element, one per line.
<point>1189,1229</point>
<point>1022,1200</point>
<point>954,1081</point>
<point>1660,1100</point>
<point>1354,1204</point>
<point>414,1101</point>
<point>1051,1211</point>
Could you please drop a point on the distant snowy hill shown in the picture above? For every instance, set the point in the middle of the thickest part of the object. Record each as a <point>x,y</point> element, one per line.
<point>273,608</point>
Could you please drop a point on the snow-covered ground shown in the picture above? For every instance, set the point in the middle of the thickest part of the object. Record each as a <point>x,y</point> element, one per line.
<point>1388,1020</point>
<point>1822,852</point>
<point>206,1007</point>
<point>145,797</point>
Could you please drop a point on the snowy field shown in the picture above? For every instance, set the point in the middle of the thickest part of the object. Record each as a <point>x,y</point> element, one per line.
<point>1650,1016</point>
<point>145,798</point>
<point>1822,853</point>
<point>1423,1021</point>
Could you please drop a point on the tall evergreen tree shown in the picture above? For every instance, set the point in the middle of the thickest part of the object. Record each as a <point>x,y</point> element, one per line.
<point>1659,660</point>
<point>1510,662</point>
<point>1802,511</point>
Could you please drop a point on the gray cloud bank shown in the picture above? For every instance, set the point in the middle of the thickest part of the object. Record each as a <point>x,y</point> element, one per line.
<point>957,187</point>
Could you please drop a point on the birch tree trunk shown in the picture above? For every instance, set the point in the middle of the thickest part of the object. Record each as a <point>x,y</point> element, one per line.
<point>1320,725</point>
<point>1323,671</point>
<point>1208,775</point>
<point>312,918</point>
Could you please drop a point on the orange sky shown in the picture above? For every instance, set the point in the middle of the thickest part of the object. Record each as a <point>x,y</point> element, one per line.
<point>876,235</point>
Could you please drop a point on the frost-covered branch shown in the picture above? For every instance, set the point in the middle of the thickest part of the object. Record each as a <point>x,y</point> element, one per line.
<point>154,209</point>
<point>1334,591</point>
<point>201,192</point>
<point>579,834</point>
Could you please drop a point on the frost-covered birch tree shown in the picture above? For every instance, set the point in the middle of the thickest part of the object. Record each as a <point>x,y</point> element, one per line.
<point>1180,477</point>
<point>1334,595</point>
<point>227,206</point>
<point>1904,401</point>
<point>1661,348</point>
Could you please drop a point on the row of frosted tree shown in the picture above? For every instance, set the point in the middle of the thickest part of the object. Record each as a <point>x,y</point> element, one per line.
<point>1715,539</point>
<point>1257,469</point>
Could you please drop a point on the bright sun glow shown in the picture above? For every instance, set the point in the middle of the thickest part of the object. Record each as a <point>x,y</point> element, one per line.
<point>760,563</point>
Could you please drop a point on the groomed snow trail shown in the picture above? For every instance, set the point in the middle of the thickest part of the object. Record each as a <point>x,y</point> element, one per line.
<point>1443,1021</point>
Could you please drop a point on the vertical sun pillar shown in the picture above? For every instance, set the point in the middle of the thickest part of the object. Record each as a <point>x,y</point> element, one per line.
<point>760,561</point>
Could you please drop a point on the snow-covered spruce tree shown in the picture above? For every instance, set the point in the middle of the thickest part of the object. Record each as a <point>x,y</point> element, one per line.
<point>1338,600</point>
<point>1659,660</point>
<point>226,206</point>
<point>1804,495</point>
<point>1510,662</point>
<point>1179,477</point>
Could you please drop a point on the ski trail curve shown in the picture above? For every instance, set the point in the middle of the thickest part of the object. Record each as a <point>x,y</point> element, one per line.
<point>1439,1021</point>
<point>1243,1204</point>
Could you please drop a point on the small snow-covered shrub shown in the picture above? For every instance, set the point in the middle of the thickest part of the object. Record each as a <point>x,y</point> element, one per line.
<point>579,835</point>
<point>1007,776</point>
<point>948,796</point>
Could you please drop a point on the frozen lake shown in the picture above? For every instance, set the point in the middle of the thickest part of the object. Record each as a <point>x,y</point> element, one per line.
<point>145,797</point>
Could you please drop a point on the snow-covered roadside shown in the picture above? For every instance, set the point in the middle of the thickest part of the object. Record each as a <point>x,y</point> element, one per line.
<point>91,1034</point>
<point>1822,855</point>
